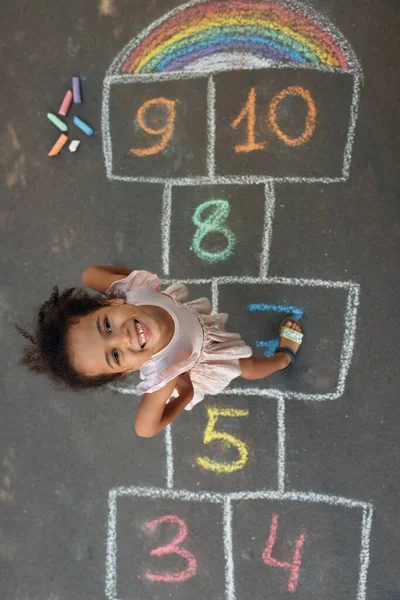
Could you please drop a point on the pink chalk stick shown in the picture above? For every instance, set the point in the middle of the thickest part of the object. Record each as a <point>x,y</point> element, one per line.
<point>66,103</point>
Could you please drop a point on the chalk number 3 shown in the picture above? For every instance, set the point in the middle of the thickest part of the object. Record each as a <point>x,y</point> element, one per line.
<point>172,547</point>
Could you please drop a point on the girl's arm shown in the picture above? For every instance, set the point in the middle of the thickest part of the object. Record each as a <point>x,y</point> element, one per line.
<point>154,414</point>
<point>99,277</point>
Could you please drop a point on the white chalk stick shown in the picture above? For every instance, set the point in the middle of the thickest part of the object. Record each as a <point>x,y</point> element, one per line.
<point>74,145</point>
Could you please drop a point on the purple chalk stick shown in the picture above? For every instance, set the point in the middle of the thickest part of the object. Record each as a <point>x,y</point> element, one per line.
<point>76,86</point>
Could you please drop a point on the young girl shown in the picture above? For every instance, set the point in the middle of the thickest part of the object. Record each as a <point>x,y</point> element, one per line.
<point>181,348</point>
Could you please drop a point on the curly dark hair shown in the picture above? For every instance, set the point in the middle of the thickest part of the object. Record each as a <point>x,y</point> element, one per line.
<point>48,353</point>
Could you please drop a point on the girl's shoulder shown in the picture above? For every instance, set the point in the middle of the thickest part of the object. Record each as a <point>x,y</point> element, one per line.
<point>135,279</point>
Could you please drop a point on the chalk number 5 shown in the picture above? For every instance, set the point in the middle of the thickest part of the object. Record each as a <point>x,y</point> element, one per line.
<point>211,434</point>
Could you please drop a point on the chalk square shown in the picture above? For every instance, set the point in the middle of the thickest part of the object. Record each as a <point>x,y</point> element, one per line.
<point>216,230</point>
<point>329,321</point>
<point>199,560</point>
<point>322,155</point>
<point>329,539</point>
<point>185,153</point>
<point>225,472</point>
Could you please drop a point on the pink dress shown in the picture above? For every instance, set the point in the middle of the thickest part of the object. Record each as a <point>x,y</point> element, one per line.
<point>199,345</point>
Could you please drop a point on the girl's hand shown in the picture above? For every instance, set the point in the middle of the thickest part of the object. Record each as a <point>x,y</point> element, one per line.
<point>154,414</point>
<point>184,384</point>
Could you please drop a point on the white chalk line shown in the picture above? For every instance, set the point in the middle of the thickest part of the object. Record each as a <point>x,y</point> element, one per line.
<point>349,336</point>
<point>281,450</point>
<point>111,555</point>
<point>220,497</point>
<point>121,78</point>
<point>214,295</point>
<point>299,281</point>
<point>224,179</point>
<point>307,11</point>
<point>169,457</point>
<point>355,101</point>
<point>228,551</point>
<point>269,211</point>
<point>364,554</point>
<point>166,228</point>
<point>105,129</point>
<point>211,98</point>
<point>270,393</point>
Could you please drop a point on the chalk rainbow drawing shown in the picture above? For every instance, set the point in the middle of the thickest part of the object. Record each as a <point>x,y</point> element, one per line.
<point>202,35</point>
<point>200,39</point>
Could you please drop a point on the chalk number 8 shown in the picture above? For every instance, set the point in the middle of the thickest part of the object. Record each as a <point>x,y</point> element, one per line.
<point>210,217</point>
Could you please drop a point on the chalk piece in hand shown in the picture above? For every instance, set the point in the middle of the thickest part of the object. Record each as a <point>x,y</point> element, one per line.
<point>76,86</point>
<point>60,143</point>
<point>82,125</point>
<point>74,145</point>
<point>66,103</point>
<point>57,122</point>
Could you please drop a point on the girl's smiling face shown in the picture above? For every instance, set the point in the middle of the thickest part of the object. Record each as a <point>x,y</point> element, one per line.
<point>118,338</point>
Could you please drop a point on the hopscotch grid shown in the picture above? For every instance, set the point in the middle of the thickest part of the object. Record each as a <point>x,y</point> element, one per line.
<point>166,228</point>
<point>350,316</point>
<point>210,178</point>
<point>225,499</point>
<point>211,120</point>
<point>269,211</point>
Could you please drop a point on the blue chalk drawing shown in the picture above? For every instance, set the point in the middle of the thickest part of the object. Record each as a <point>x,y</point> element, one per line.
<point>296,312</point>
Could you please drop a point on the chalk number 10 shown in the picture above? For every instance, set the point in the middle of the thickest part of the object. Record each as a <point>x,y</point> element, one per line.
<point>167,108</point>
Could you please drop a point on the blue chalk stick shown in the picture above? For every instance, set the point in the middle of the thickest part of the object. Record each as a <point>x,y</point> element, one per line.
<point>83,126</point>
<point>76,88</point>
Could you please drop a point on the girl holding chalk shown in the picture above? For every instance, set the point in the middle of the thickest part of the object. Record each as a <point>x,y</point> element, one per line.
<point>181,348</point>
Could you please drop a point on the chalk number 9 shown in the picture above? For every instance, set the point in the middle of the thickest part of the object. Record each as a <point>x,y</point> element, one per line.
<point>166,130</point>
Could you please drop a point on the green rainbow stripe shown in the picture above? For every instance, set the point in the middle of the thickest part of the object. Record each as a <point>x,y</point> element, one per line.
<point>264,29</point>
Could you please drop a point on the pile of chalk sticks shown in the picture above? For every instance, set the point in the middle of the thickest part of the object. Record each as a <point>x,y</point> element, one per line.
<point>75,95</point>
